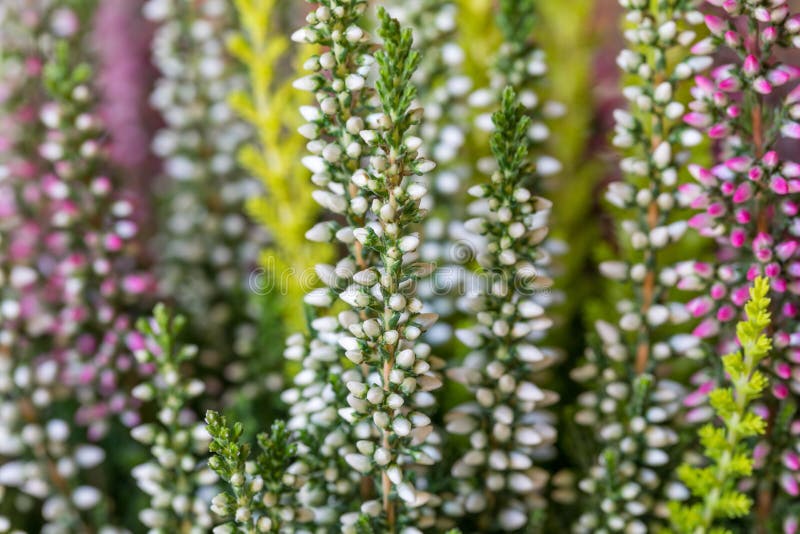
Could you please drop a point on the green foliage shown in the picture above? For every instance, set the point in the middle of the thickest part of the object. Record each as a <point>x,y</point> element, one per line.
<point>516,19</point>
<point>61,75</point>
<point>255,499</point>
<point>727,447</point>
<point>397,63</point>
<point>269,103</point>
<point>510,142</point>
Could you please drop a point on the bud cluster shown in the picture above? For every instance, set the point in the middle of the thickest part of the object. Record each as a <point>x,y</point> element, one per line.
<point>176,479</point>
<point>507,426</point>
<point>443,91</point>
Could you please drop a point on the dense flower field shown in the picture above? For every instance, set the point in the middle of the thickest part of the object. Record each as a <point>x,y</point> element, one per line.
<point>399,266</point>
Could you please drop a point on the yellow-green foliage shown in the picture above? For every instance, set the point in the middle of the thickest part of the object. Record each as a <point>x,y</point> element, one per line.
<point>726,446</point>
<point>478,34</point>
<point>287,209</point>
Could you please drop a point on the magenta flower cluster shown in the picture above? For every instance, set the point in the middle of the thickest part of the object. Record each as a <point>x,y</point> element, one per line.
<point>746,201</point>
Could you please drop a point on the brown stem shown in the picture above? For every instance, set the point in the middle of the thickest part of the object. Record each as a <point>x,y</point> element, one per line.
<point>648,293</point>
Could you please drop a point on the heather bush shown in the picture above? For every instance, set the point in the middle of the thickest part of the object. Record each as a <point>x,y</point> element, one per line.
<point>384,266</point>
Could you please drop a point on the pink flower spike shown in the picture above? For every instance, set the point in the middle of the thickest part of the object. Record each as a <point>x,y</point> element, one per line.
<point>703,269</point>
<point>703,47</point>
<point>779,285</point>
<point>769,34</point>
<point>730,6</point>
<point>699,221</point>
<point>738,238</point>
<point>101,186</point>
<point>792,70</point>
<point>706,328</point>
<point>751,66</point>
<point>113,242</point>
<point>136,284</point>
<point>789,484</point>
<point>728,85</point>
<point>743,216</point>
<point>699,306</point>
<point>791,169</point>
<point>762,86</point>
<point>135,341</point>
<point>718,291</point>
<point>772,270</point>
<point>778,77</point>
<point>778,14</point>
<point>789,309</point>
<point>783,370</point>
<point>716,209</point>
<point>702,175</point>
<point>790,525</point>
<point>786,250</point>
<point>779,185</point>
<point>733,111</point>
<point>761,14</point>
<point>793,24</point>
<point>732,38</point>
<point>705,84</point>
<point>740,295</point>
<point>755,174</point>
<point>699,395</point>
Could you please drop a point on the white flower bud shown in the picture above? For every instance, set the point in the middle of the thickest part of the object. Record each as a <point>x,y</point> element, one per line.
<point>662,155</point>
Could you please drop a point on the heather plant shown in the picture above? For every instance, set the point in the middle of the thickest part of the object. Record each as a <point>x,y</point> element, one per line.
<point>746,107</point>
<point>632,407</point>
<point>726,447</point>
<point>443,92</point>
<point>269,104</point>
<point>497,480</point>
<point>175,478</point>
<point>71,260</point>
<point>439,376</point>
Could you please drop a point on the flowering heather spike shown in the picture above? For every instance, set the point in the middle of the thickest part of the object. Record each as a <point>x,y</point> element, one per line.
<point>630,409</point>
<point>521,64</point>
<point>207,246</point>
<point>175,478</point>
<point>380,331</point>
<point>501,485</point>
<point>69,253</point>
<point>443,92</point>
<point>747,202</point>
<point>726,447</point>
